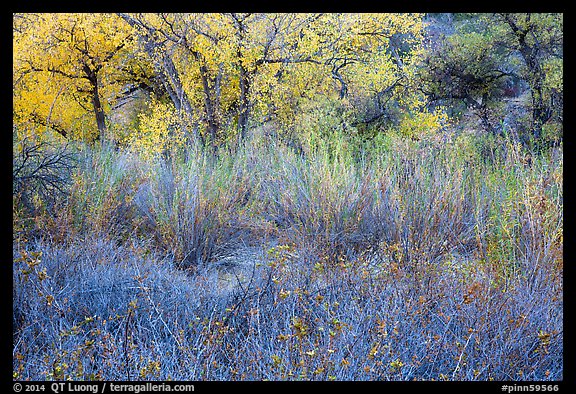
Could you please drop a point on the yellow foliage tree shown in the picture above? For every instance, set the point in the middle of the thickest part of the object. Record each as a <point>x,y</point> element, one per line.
<point>64,71</point>
<point>236,67</point>
<point>220,70</point>
<point>159,131</point>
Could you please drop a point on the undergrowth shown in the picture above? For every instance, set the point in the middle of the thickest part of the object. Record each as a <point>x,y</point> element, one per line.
<point>420,261</point>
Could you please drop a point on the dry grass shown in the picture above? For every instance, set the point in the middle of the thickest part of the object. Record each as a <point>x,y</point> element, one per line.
<point>428,262</point>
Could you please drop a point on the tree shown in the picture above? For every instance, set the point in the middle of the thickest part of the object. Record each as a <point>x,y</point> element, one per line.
<point>64,67</point>
<point>223,72</point>
<point>485,57</point>
<point>464,67</point>
<point>538,38</point>
<point>232,64</point>
<point>160,55</point>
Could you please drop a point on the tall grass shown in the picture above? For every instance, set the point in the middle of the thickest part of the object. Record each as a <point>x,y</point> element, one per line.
<point>421,261</point>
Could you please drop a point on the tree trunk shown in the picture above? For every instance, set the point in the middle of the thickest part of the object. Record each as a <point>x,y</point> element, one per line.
<point>92,76</point>
<point>535,81</point>
<point>167,71</point>
<point>213,125</point>
<point>244,79</point>
<point>540,111</point>
<point>180,100</point>
<point>99,112</point>
<point>244,103</point>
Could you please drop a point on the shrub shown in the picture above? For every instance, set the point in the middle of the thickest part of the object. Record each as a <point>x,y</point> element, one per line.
<point>41,173</point>
<point>417,262</point>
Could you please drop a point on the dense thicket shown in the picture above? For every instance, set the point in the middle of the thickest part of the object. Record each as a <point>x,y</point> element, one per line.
<point>287,196</point>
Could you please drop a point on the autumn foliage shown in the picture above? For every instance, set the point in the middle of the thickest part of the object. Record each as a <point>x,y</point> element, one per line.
<point>287,197</point>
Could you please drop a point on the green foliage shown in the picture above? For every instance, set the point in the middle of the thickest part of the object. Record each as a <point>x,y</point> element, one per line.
<point>492,59</point>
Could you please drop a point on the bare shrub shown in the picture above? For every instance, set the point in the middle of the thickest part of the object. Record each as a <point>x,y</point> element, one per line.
<point>42,169</point>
